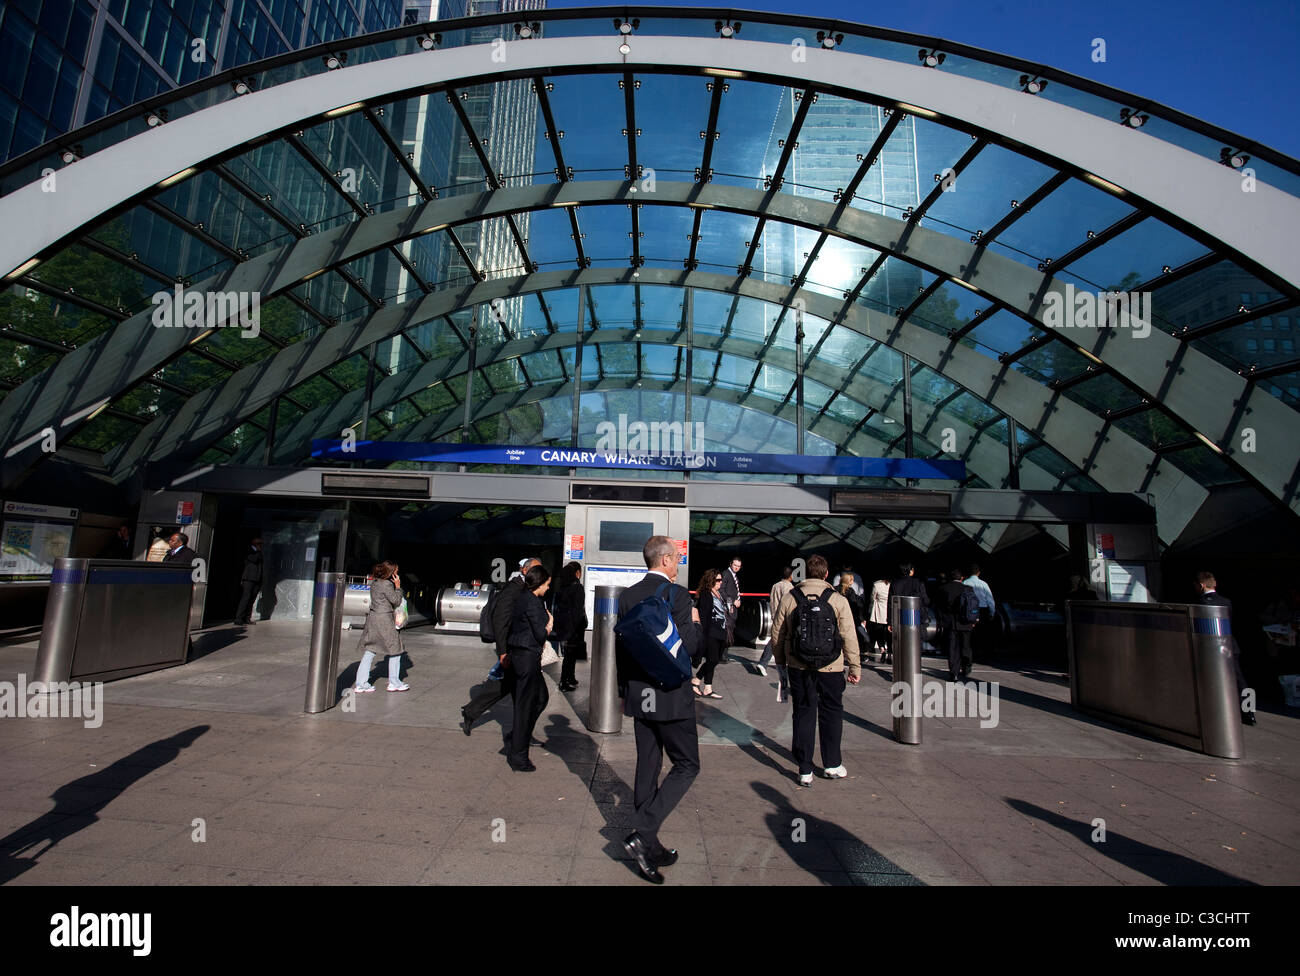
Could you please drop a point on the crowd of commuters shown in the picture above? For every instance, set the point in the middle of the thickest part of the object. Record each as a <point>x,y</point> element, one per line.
<point>822,633</point>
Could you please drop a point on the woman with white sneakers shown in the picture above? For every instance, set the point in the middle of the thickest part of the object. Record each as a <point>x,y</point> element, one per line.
<point>381,629</point>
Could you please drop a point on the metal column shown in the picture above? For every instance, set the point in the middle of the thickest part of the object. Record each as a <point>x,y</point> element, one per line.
<point>1213,647</point>
<point>907,627</point>
<point>326,633</point>
<point>603,713</point>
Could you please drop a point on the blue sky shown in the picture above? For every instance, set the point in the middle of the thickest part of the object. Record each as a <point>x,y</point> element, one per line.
<point>1231,63</point>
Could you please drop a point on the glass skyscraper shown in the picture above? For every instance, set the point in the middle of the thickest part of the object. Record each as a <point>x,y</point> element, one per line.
<point>64,63</point>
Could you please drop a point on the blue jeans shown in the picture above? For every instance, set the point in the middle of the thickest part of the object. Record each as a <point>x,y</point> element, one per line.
<point>368,659</point>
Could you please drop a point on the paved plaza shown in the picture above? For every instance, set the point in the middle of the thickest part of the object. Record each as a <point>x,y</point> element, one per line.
<point>211,774</point>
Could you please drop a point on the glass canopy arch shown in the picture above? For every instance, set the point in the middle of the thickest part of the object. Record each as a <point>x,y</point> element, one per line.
<point>507,200</point>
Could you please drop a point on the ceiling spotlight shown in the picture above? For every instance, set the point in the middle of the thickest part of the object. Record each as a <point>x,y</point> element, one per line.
<point>1031,85</point>
<point>336,61</point>
<point>828,40</point>
<point>1132,117</point>
<point>1233,157</point>
<point>241,88</point>
<point>430,41</point>
<point>1166,269</point>
<point>154,119</point>
<point>624,49</point>
<point>68,156</point>
<point>627,26</point>
<point>727,28</point>
<point>931,59</point>
<point>526,31</point>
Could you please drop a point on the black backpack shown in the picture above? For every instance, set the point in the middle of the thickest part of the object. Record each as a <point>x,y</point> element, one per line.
<point>816,633</point>
<point>968,606</point>
<point>486,631</point>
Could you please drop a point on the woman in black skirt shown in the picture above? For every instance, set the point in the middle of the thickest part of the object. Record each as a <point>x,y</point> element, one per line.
<point>528,629</point>
<point>570,622</point>
<point>713,621</point>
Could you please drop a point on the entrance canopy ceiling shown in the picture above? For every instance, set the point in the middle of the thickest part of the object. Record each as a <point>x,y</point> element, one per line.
<point>808,237</point>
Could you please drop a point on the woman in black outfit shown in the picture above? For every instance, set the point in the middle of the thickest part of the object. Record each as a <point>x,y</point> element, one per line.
<point>570,622</point>
<point>528,629</point>
<point>713,621</point>
<point>856,606</point>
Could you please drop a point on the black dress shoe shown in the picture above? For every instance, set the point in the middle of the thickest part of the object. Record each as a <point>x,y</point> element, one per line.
<point>1248,718</point>
<point>666,858</point>
<point>635,846</point>
<point>465,723</point>
<point>524,767</point>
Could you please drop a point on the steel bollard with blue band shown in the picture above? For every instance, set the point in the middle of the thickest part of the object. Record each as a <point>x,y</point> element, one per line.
<point>908,625</point>
<point>603,712</point>
<point>326,635</point>
<point>1213,648</point>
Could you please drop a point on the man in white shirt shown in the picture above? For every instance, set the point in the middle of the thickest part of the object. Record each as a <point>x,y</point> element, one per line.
<point>984,630</point>
<point>783,586</point>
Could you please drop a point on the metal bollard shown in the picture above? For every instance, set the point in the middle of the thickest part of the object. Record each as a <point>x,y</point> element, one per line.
<point>603,712</point>
<point>62,620</point>
<point>906,619</point>
<point>326,633</point>
<point>1216,682</point>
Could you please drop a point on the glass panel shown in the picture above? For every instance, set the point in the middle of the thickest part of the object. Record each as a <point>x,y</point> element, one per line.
<point>1003,332</point>
<point>664,235</point>
<point>1135,256</point>
<point>752,118</point>
<point>590,110</point>
<point>550,239</point>
<point>982,195</point>
<point>669,110</point>
<point>1060,222</point>
<point>1153,428</point>
<point>839,267</point>
<point>1103,392</point>
<point>18,361</point>
<point>724,240</point>
<point>1054,361</point>
<point>1205,465</point>
<point>948,308</point>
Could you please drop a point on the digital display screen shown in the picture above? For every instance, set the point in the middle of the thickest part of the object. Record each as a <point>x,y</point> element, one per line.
<point>624,536</point>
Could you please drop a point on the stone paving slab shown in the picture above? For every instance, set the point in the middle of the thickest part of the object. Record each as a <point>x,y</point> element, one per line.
<point>389,791</point>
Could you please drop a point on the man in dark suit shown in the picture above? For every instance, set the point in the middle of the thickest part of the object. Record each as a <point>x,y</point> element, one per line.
<point>907,585</point>
<point>731,600</point>
<point>502,614</point>
<point>663,721</point>
<point>179,551</point>
<point>1206,587</point>
<point>250,582</point>
<point>954,626</point>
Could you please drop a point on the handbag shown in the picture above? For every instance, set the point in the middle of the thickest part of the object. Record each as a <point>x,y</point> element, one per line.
<point>549,656</point>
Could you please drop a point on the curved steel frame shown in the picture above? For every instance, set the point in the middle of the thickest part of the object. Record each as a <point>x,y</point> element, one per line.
<point>72,388</point>
<point>1204,195</point>
<point>1208,397</point>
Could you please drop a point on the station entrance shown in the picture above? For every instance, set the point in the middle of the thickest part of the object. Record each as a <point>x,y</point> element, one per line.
<point>457,530</point>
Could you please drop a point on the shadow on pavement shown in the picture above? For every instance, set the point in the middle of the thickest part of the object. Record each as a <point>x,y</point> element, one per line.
<point>613,796</point>
<point>1158,864</point>
<point>826,850</point>
<point>77,804</point>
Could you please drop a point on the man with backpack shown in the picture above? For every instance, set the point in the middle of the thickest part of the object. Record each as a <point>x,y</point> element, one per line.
<point>500,611</point>
<point>815,640</point>
<point>650,651</point>
<point>958,611</point>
